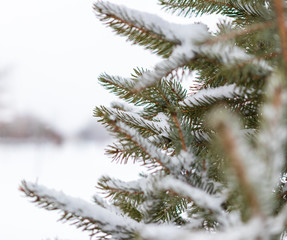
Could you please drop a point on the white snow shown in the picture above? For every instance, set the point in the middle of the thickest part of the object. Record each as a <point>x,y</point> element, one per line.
<point>180,56</point>
<point>198,196</point>
<point>227,91</point>
<point>252,230</point>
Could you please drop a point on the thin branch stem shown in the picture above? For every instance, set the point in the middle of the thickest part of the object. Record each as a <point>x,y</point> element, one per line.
<point>230,147</point>
<point>174,117</point>
<point>279,9</point>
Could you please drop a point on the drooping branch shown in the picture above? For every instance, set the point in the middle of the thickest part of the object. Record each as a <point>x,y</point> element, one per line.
<point>92,218</point>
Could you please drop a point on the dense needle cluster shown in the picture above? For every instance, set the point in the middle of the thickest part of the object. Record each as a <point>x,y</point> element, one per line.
<point>215,154</point>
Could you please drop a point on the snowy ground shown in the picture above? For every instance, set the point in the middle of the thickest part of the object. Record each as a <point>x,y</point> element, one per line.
<point>73,168</point>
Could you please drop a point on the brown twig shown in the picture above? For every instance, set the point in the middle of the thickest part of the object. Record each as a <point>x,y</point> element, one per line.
<point>174,117</point>
<point>230,147</point>
<point>279,9</point>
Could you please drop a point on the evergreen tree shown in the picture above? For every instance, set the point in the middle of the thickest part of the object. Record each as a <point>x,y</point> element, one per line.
<point>215,153</point>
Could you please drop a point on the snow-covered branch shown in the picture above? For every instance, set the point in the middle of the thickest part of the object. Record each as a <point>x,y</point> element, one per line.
<point>177,33</point>
<point>93,218</point>
<point>161,158</point>
<point>205,95</point>
<point>196,195</point>
<point>138,122</point>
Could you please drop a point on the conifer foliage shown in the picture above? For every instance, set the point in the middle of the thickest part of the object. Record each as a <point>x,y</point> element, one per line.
<point>215,154</point>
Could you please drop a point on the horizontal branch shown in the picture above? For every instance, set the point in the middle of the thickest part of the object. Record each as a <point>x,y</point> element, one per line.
<point>93,218</point>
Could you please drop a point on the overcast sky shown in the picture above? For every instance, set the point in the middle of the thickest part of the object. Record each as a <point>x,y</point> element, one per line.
<point>55,50</point>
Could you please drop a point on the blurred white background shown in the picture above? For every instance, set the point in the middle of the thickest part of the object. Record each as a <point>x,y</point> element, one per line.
<point>51,55</point>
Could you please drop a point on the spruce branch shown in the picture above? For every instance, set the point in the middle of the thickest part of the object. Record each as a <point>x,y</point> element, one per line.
<point>127,196</point>
<point>114,186</point>
<point>156,158</point>
<point>200,197</point>
<point>200,7</point>
<point>226,55</point>
<point>240,10</point>
<point>212,95</point>
<point>138,192</point>
<point>138,27</point>
<point>92,218</point>
<point>134,120</point>
<point>155,98</point>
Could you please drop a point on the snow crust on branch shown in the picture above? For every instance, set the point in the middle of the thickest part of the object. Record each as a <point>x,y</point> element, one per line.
<point>156,182</point>
<point>180,56</point>
<point>230,54</point>
<point>198,196</point>
<point>109,221</point>
<point>189,50</point>
<point>227,91</point>
<point>252,230</point>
